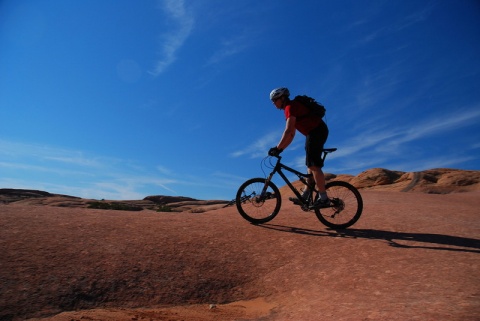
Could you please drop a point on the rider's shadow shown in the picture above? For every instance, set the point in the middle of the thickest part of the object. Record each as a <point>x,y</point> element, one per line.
<point>395,239</point>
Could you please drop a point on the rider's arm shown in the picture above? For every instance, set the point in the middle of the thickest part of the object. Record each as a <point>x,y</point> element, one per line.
<point>288,133</point>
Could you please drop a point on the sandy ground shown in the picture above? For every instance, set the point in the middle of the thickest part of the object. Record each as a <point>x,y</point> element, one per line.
<point>411,256</point>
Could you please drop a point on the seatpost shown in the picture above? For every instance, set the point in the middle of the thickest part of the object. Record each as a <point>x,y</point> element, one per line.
<point>324,156</point>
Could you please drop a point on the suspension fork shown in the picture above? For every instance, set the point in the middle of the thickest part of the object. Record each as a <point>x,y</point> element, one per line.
<point>269,178</point>
<point>267,182</point>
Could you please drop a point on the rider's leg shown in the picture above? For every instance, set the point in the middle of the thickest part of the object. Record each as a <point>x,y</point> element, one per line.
<point>310,182</point>
<point>305,190</point>
<point>319,178</point>
<point>314,147</point>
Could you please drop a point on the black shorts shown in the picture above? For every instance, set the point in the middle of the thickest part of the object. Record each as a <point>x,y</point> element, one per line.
<point>314,145</point>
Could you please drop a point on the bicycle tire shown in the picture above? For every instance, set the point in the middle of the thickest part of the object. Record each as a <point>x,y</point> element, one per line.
<point>347,206</point>
<point>255,208</point>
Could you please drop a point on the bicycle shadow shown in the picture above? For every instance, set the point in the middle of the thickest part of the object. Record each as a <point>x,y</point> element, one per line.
<point>394,239</point>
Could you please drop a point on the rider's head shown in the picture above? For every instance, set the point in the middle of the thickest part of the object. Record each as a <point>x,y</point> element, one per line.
<point>279,92</point>
<point>279,96</point>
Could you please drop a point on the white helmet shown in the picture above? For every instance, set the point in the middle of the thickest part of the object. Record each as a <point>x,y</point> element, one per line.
<point>279,92</point>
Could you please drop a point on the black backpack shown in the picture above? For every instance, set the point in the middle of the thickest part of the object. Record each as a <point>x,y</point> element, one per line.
<point>315,108</point>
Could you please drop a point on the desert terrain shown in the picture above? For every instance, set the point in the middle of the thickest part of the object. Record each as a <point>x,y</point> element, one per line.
<point>413,255</point>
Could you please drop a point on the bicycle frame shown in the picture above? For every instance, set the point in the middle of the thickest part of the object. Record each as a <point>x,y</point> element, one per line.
<point>303,178</point>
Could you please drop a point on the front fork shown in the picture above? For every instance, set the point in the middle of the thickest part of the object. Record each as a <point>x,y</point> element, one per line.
<point>265,195</point>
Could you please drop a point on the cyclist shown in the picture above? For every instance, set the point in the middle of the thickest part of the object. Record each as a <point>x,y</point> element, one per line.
<point>316,133</point>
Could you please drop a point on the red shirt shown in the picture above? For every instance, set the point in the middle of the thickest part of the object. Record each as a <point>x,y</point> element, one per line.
<point>303,123</point>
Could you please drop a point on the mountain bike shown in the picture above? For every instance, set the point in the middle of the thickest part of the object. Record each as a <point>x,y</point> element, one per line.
<point>258,200</point>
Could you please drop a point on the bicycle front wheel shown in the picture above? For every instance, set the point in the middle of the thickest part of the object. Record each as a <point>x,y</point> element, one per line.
<point>346,206</point>
<point>257,201</point>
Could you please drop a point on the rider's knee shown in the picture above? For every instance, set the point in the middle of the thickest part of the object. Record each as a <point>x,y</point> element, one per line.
<point>315,169</point>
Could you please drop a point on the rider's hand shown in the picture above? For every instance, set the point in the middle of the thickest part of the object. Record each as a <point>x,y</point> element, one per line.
<point>275,151</point>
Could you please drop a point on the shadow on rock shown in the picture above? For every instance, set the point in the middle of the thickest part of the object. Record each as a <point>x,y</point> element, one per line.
<point>395,239</point>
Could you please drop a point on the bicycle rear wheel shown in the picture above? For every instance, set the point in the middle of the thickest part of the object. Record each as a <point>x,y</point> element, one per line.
<point>347,206</point>
<point>255,204</point>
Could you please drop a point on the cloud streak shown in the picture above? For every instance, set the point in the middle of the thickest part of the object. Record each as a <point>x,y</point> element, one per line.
<point>385,146</point>
<point>372,34</point>
<point>392,138</point>
<point>258,147</point>
<point>175,38</point>
<point>45,167</point>
<point>229,48</point>
<point>63,171</point>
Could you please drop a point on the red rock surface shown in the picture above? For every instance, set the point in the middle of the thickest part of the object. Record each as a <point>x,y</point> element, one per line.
<point>411,256</point>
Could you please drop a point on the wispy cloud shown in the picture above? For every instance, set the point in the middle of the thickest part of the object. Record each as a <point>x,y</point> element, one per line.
<point>259,146</point>
<point>416,17</point>
<point>230,47</point>
<point>475,146</point>
<point>39,152</point>
<point>164,170</point>
<point>128,186</point>
<point>372,32</point>
<point>386,145</point>
<point>17,166</point>
<point>172,41</point>
<point>77,173</point>
<point>429,163</point>
<point>439,125</point>
<point>394,136</point>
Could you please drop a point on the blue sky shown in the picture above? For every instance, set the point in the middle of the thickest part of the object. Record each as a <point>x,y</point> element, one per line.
<point>122,99</point>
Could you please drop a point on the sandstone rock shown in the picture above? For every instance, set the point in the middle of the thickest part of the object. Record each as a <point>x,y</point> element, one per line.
<point>375,177</point>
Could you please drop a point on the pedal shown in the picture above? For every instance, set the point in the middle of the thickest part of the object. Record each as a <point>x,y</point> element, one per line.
<point>295,200</point>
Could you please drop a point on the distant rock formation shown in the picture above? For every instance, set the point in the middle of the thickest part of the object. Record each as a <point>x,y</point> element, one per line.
<point>159,203</point>
<point>432,181</point>
<point>437,181</point>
